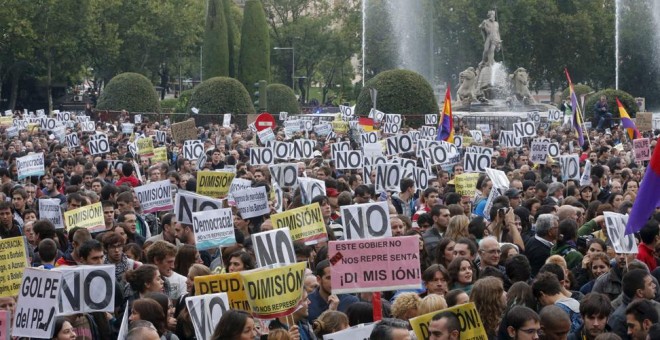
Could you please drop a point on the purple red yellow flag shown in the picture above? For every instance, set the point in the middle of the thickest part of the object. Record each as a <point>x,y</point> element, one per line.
<point>627,123</point>
<point>648,196</point>
<point>446,123</point>
<point>577,114</point>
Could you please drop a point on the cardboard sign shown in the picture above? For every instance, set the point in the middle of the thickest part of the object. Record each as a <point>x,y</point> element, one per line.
<point>49,209</point>
<point>421,177</point>
<point>369,137</point>
<point>357,332</point>
<point>214,228</point>
<point>30,165</point>
<point>252,202</point>
<point>349,159</point>
<point>310,188</point>
<point>431,119</point>
<point>214,183</point>
<point>509,140</point>
<point>366,221</point>
<point>304,223</point>
<point>477,136</point>
<point>390,263</point>
<point>145,147</point>
<point>399,144</point>
<point>616,231</point>
<point>160,155</point>
<point>37,303</point>
<point>524,129</point>
<point>87,289</point>
<point>585,179</point>
<point>186,202</point>
<point>642,148</point>
<point>303,149</point>
<point>273,247</point>
<point>644,121</point>
<point>266,135</point>
<point>285,175</point>
<point>193,149</point>
<point>206,311</point>
<point>229,283</point>
<point>555,115</point>
<point>570,167</point>
<point>468,316</point>
<point>155,196</point>
<point>89,217</point>
<point>553,150</point>
<point>261,156</point>
<point>226,120</point>
<point>498,177</point>
<point>127,128</point>
<point>466,184</point>
<point>13,260</point>
<point>184,131</point>
<point>98,144</point>
<point>276,292</point>
<point>476,162</point>
<point>388,177</point>
<point>540,147</point>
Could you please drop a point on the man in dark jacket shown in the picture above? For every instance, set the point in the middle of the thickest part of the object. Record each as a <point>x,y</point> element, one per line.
<point>537,249</point>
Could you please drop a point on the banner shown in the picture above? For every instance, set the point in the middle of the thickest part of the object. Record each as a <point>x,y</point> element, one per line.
<point>230,283</point>
<point>214,183</point>
<point>366,221</point>
<point>37,303</point>
<point>13,260</point>
<point>87,289</point>
<point>155,196</point>
<point>273,247</point>
<point>616,231</point>
<point>276,292</point>
<point>145,147</point>
<point>49,209</point>
<point>466,184</point>
<point>252,202</point>
<point>213,228</point>
<point>471,325</point>
<point>30,165</point>
<point>89,217</point>
<point>389,263</point>
<point>305,223</point>
<point>160,154</point>
<point>205,312</point>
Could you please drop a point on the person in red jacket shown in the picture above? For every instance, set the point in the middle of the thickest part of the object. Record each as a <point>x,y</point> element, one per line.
<point>649,236</point>
<point>127,176</point>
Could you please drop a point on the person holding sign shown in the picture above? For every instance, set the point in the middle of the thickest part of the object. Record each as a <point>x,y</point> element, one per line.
<point>445,326</point>
<point>322,298</point>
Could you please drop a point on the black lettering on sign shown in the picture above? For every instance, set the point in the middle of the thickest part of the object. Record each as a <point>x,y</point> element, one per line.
<point>303,148</point>
<point>285,175</point>
<point>458,141</point>
<point>524,129</point>
<point>431,119</point>
<point>369,137</point>
<point>273,247</point>
<point>188,203</point>
<point>349,159</point>
<point>388,177</point>
<point>365,221</point>
<point>193,149</point>
<point>399,144</point>
<point>553,150</point>
<point>72,140</point>
<point>421,177</point>
<point>261,156</point>
<point>476,162</point>
<point>570,167</point>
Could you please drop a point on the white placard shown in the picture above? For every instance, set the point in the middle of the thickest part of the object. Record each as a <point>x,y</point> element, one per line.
<point>477,136</point>
<point>37,303</point>
<point>349,159</point>
<point>192,150</point>
<point>498,177</point>
<point>585,179</point>
<point>155,196</point>
<point>206,311</point>
<point>524,129</point>
<point>252,202</point>
<point>310,188</point>
<point>570,167</point>
<point>303,149</point>
<point>261,156</point>
<point>87,289</point>
<point>30,165</point>
<point>285,175</point>
<point>399,144</point>
<point>366,221</point>
<point>213,228</point>
<point>476,162</point>
<point>72,140</point>
<point>539,152</point>
<point>431,119</point>
<point>273,247</point>
<point>266,135</point>
<point>616,231</point>
<point>226,120</point>
<point>388,177</point>
<point>98,144</point>
<point>49,209</point>
<point>187,202</point>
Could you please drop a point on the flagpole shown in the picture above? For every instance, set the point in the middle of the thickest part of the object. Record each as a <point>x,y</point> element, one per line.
<point>584,127</point>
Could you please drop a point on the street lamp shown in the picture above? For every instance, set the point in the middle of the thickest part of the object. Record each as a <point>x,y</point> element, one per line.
<point>293,64</point>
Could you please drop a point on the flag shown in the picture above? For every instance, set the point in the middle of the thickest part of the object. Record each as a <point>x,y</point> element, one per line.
<point>577,114</point>
<point>367,124</point>
<point>648,196</point>
<point>626,122</point>
<point>446,123</point>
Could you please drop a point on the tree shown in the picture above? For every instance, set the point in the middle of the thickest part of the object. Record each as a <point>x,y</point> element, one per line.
<point>282,99</point>
<point>233,35</point>
<point>254,59</point>
<point>132,92</point>
<point>216,47</point>
<point>221,95</point>
<point>381,41</point>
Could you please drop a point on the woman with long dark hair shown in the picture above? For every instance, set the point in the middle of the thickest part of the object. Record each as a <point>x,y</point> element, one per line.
<point>235,325</point>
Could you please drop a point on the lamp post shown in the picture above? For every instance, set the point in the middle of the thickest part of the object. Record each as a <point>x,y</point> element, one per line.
<point>293,64</point>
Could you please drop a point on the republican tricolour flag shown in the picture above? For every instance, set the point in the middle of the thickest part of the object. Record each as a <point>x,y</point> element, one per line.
<point>577,113</point>
<point>446,123</point>
<point>648,196</point>
<point>626,122</point>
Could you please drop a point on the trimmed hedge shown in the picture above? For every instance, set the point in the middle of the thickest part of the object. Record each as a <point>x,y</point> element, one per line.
<point>254,58</point>
<point>399,91</point>
<point>221,95</point>
<point>580,89</point>
<point>182,102</point>
<point>215,53</point>
<point>626,99</point>
<point>132,92</point>
<point>281,98</point>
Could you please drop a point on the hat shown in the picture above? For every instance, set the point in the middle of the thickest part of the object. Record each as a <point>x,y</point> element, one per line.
<point>331,192</point>
<point>512,193</point>
<point>317,153</point>
<point>585,187</point>
<point>554,187</point>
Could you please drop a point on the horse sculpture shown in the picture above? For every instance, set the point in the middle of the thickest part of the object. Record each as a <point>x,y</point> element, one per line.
<point>519,83</point>
<point>467,86</point>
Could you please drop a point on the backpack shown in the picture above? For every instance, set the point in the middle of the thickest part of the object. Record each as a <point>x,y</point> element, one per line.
<point>576,319</point>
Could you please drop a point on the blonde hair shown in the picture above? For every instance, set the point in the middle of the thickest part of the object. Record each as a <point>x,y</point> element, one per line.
<point>403,303</point>
<point>431,303</point>
<point>487,297</point>
<point>558,260</point>
<point>458,227</point>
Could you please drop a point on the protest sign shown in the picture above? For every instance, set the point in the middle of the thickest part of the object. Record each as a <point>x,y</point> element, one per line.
<point>585,179</point>
<point>13,260</point>
<point>553,150</point>
<point>539,154</point>
<point>5,325</point>
<point>494,193</point>
<point>555,115</point>
<point>498,177</point>
<point>11,133</point>
<point>193,149</point>
<point>399,144</point>
<point>87,289</point>
<point>303,149</point>
<point>429,132</point>
<point>323,129</point>
<point>388,177</point>
<point>347,111</point>
<point>370,150</point>
<point>477,136</point>
<point>476,162</point>
<point>184,131</point>
<point>252,202</point>
<point>366,221</point>
<point>145,147</point>
<point>155,196</point>
<point>186,202</point>
<point>89,217</point>
<point>616,231</point>
<point>161,137</point>
<point>382,264</point>
<point>339,126</point>
<point>485,128</point>
<point>285,175</point>
<point>30,165</point>
<point>509,140</point>
<point>349,159</point>
<point>98,144</point>
<point>273,247</point>
<point>275,292</point>
<point>213,228</point>
<point>37,303</point>
<point>477,149</point>
<point>72,140</point>
<point>206,311</point>
<point>261,156</point>
<point>570,167</point>
<point>421,177</point>
<point>431,119</point>
<point>49,209</point>
<point>369,137</point>
<point>127,128</point>
<point>524,129</point>
<point>226,120</point>
<point>468,317</point>
<point>341,146</point>
<point>310,188</point>
<point>357,332</point>
<point>160,154</point>
<point>642,149</point>
<point>87,126</point>
<point>214,183</point>
<point>229,283</point>
<point>266,135</point>
<point>304,223</point>
<point>390,128</point>
<point>466,184</point>
<point>238,184</point>
<point>137,119</point>
<point>281,150</point>
<point>437,155</point>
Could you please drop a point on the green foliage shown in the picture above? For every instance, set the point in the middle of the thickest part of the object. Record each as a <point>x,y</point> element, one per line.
<point>221,95</point>
<point>233,34</point>
<point>626,99</point>
<point>399,91</point>
<point>132,92</point>
<point>168,104</point>
<point>580,89</point>
<point>281,98</point>
<point>215,61</point>
<point>183,101</point>
<point>254,60</point>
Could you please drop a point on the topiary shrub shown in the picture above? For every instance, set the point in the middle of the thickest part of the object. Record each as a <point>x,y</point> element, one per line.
<point>281,98</point>
<point>254,55</point>
<point>626,99</point>
<point>168,105</point>
<point>399,91</point>
<point>132,92</point>
<point>183,101</point>
<point>580,89</point>
<point>221,95</point>
<point>216,53</point>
